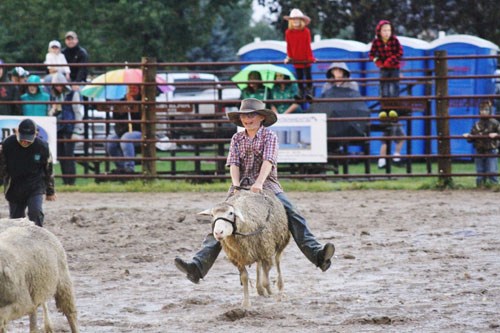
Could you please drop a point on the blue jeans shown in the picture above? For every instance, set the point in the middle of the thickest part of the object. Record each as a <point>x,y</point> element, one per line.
<point>389,88</point>
<point>34,205</point>
<point>66,149</point>
<point>123,149</point>
<point>487,165</point>
<point>307,243</point>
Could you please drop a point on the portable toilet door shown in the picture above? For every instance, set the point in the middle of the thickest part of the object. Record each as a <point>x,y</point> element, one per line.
<point>262,51</point>
<point>465,45</point>
<point>412,48</point>
<point>337,50</point>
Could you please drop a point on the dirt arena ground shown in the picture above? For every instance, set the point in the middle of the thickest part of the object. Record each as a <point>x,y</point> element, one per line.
<point>419,261</point>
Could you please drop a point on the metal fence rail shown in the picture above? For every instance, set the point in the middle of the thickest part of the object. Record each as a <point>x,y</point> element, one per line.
<point>198,142</point>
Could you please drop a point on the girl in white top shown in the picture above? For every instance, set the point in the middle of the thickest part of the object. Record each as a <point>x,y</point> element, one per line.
<point>55,57</point>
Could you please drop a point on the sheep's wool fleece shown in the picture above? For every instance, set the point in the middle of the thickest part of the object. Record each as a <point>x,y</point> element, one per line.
<point>259,210</point>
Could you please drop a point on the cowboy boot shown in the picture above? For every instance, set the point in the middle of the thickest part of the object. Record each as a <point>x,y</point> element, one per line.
<point>316,253</point>
<point>202,260</point>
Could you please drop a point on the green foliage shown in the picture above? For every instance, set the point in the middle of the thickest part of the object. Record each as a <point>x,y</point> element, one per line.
<point>120,30</point>
<point>408,183</point>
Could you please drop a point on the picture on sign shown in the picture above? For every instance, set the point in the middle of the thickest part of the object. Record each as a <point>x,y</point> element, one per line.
<point>302,138</point>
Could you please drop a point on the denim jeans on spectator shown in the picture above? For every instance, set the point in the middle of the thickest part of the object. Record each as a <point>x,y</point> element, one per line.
<point>487,165</point>
<point>123,149</point>
<point>66,149</point>
<point>389,88</point>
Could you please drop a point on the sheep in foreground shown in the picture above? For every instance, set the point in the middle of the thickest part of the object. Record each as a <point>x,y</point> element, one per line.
<point>33,268</point>
<point>252,227</point>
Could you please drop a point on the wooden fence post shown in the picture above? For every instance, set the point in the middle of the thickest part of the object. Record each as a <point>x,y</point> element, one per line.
<point>148,117</point>
<point>443,123</point>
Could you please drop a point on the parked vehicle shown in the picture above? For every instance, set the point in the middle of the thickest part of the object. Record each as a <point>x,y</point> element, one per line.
<point>97,131</point>
<point>193,95</point>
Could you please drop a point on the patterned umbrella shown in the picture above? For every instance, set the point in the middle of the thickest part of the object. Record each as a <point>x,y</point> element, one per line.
<point>131,76</point>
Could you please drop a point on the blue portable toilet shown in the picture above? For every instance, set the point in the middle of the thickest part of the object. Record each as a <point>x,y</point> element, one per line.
<point>337,50</point>
<point>465,45</point>
<point>412,47</point>
<point>262,51</point>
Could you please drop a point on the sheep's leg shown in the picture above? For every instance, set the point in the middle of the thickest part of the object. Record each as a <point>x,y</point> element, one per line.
<point>33,321</point>
<point>266,266</point>
<point>47,323</point>
<point>280,282</point>
<point>260,289</point>
<point>65,302</point>
<point>244,282</point>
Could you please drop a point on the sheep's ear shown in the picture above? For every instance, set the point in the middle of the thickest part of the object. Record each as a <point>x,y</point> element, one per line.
<point>239,215</point>
<point>206,212</point>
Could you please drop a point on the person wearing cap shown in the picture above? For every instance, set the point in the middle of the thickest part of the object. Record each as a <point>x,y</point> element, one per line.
<point>27,173</point>
<point>19,75</point>
<point>338,73</point>
<point>55,57</point>
<point>75,54</point>
<point>253,155</point>
<point>299,51</point>
<point>8,93</point>
<point>35,93</point>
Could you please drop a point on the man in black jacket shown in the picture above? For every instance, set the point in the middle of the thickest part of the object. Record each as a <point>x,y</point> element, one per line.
<point>26,168</point>
<point>8,93</point>
<point>75,54</point>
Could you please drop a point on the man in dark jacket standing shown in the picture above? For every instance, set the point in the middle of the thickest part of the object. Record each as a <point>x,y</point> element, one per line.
<point>8,93</point>
<point>26,168</point>
<point>75,54</point>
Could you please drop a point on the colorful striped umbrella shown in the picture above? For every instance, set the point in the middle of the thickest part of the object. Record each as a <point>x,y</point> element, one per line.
<point>98,90</point>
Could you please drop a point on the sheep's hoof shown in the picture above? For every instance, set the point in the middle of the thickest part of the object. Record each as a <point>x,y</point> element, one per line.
<point>261,291</point>
<point>279,297</point>
<point>245,303</point>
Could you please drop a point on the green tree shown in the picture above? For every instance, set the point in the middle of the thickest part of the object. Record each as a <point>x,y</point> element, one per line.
<point>113,30</point>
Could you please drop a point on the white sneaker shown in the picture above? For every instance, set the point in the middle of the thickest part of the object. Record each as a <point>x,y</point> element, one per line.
<point>381,163</point>
<point>396,158</point>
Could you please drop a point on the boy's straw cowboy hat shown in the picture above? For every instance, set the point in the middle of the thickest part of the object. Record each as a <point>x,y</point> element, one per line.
<point>250,105</point>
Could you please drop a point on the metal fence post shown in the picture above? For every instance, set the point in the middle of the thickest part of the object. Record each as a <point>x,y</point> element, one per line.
<point>443,124</point>
<point>148,117</point>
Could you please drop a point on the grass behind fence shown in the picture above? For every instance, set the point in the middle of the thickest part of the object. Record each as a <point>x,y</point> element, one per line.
<point>410,183</point>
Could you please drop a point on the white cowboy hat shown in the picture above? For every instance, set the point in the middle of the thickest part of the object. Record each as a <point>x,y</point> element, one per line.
<point>249,105</point>
<point>297,13</point>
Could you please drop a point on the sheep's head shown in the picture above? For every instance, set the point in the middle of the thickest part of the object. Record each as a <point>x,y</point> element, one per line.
<point>224,219</point>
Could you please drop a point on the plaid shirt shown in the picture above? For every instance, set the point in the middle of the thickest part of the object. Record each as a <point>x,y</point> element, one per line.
<point>249,154</point>
<point>485,127</point>
<point>389,54</point>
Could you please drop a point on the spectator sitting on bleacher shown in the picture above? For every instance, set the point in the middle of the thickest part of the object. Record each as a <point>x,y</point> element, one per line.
<point>285,90</point>
<point>126,131</point>
<point>256,89</point>
<point>35,93</point>
<point>338,73</point>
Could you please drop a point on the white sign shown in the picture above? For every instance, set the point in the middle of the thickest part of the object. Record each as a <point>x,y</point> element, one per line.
<point>47,129</point>
<point>302,138</point>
